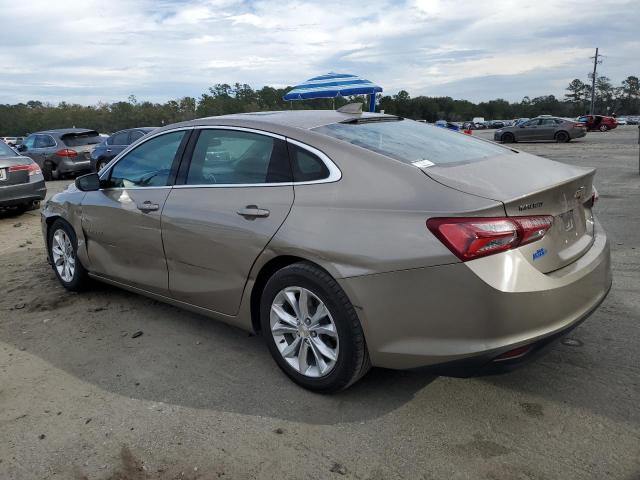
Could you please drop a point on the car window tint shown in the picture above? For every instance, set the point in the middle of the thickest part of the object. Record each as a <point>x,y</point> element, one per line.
<point>30,141</point>
<point>80,139</point>
<point>44,141</point>
<point>235,157</point>
<point>306,166</point>
<point>149,164</point>
<point>549,121</point>
<point>6,150</point>
<point>121,138</point>
<point>410,141</point>
<point>136,135</point>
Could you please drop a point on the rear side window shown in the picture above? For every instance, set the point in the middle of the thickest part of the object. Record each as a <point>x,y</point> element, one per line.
<point>412,142</point>
<point>120,138</point>
<point>136,135</point>
<point>44,141</point>
<point>306,166</point>
<point>6,150</point>
<point>228,157</point>
<point>80,139</point>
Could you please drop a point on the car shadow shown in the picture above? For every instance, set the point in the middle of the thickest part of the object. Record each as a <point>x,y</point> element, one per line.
<point>179,358</point>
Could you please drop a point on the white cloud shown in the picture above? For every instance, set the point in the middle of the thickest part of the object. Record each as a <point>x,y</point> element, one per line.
<point>105,50</point>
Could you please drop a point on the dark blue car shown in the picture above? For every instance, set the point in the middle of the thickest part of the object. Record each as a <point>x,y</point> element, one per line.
<point>115,144</point>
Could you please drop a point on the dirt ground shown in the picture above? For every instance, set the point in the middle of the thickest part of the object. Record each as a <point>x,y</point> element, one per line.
<point>191,398</point>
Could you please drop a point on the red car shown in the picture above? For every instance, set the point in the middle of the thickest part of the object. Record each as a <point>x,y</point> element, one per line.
<point>598,122</point>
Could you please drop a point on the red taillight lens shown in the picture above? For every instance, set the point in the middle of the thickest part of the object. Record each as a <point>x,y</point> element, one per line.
<point>67,152</point>
<point>470,238</point>
<point>32,168</point>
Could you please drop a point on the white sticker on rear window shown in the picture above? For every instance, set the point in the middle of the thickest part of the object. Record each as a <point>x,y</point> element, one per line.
<point>423,163</point>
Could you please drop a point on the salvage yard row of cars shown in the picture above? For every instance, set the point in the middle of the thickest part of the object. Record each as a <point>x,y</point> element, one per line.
<point>467,254</point>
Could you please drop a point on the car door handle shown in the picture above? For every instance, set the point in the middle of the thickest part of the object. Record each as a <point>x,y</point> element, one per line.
<point>148,206</point>
<point>252,211</point>
<point>108,150</point>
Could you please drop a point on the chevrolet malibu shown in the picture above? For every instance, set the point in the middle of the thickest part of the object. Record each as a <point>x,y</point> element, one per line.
<point>347,239</point>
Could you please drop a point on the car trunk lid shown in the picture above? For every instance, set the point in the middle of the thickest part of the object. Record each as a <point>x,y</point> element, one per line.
<point>530,185</point>
<point>9,177</point>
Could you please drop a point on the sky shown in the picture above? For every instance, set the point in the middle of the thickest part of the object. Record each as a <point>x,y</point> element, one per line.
<point>90,51</point>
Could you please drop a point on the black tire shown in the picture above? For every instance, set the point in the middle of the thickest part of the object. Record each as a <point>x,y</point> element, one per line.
<point>80,279</point>
<point>562,137</point>
<point>508,138</point>
<point>33,205</point>
<point>47,171</point>
<point>353,359</point>
<point>603,128</point>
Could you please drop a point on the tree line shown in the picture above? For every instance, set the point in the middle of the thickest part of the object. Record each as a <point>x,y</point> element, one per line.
<point>222,99</point>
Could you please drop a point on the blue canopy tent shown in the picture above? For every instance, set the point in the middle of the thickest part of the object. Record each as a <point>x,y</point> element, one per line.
<point>335,85</point>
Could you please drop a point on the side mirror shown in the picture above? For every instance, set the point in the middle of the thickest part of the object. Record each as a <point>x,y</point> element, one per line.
<point>88,183</point>
<point>21,148</point>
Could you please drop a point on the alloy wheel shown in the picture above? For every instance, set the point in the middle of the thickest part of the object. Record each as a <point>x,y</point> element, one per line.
<point>304,331</point>
<point>63,256</point>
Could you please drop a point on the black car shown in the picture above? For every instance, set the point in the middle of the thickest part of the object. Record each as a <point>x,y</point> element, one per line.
<point>60,152</point>
<point>115,144</point>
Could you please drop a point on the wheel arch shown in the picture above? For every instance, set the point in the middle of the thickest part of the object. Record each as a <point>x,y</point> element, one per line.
<point>263,275</point>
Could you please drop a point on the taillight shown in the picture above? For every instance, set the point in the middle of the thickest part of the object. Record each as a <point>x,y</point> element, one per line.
<point>476,237</point>
<point>32,168</point>
<point>66,152</point>
<point>594,198</point>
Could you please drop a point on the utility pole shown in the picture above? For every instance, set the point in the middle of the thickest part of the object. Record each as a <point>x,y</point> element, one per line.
<point>593,82</point>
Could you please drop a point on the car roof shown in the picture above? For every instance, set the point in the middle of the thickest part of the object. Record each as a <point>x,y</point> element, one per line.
<point>305,119</point>
<point>65,131</point>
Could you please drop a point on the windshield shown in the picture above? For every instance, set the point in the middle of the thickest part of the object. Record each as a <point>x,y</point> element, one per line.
<point>6,150</point>
<point>413,142</point>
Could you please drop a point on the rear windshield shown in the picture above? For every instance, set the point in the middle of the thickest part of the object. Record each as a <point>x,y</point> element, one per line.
<point>414,142</point>
<point>79,139</point>
<point>6,151</point>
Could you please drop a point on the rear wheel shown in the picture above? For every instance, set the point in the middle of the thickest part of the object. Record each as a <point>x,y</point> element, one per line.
<point>312,330</point>
<point>508,138</point>
<point>562,137</point>
<point>50,172</point>
<point>63,247</point>
<point>603,128</point>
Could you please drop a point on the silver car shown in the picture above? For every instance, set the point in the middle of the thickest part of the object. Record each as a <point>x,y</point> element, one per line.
<point>347,240</point>
<point>545,127</point>
<point>21,182</point>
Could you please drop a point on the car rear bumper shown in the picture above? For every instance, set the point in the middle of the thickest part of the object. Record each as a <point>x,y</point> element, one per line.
<point>466,311</point>
<point>74,166</point>
<point>21,193</point>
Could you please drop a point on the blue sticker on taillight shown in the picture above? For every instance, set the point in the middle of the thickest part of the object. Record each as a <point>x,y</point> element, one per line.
<point>541,252</point>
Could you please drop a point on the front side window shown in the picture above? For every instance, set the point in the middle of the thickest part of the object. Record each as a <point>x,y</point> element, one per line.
<point>30,142</point>
<point>228,157</point>
<point>412,142</point>
<point>148,165</point>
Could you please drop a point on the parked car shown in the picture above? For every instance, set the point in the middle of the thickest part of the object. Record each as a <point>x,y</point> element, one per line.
<point>270,223</point>
<point>61,152</point>
<point>21,181</point>
<point>598,122</point>
<point>542,128</point>
<point>495,124</point>
<point>12,141</point>
<point>449,125</point>
<point>621,120</point>
<point>116,143</point>
<point>633,120</point>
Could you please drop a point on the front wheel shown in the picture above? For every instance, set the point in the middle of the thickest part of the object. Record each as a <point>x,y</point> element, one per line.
<point>63,248</point>
<point>508,138</point>
<point>562,137</point>
<point>312,329</point>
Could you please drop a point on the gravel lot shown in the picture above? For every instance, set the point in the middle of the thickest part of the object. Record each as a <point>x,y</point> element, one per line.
<point>193,398</point>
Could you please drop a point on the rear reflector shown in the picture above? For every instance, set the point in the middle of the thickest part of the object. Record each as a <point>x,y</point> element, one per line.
<point>32,168</point>
<point>475,237</point>
<point>513,354</point>
<point>66,152</point>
